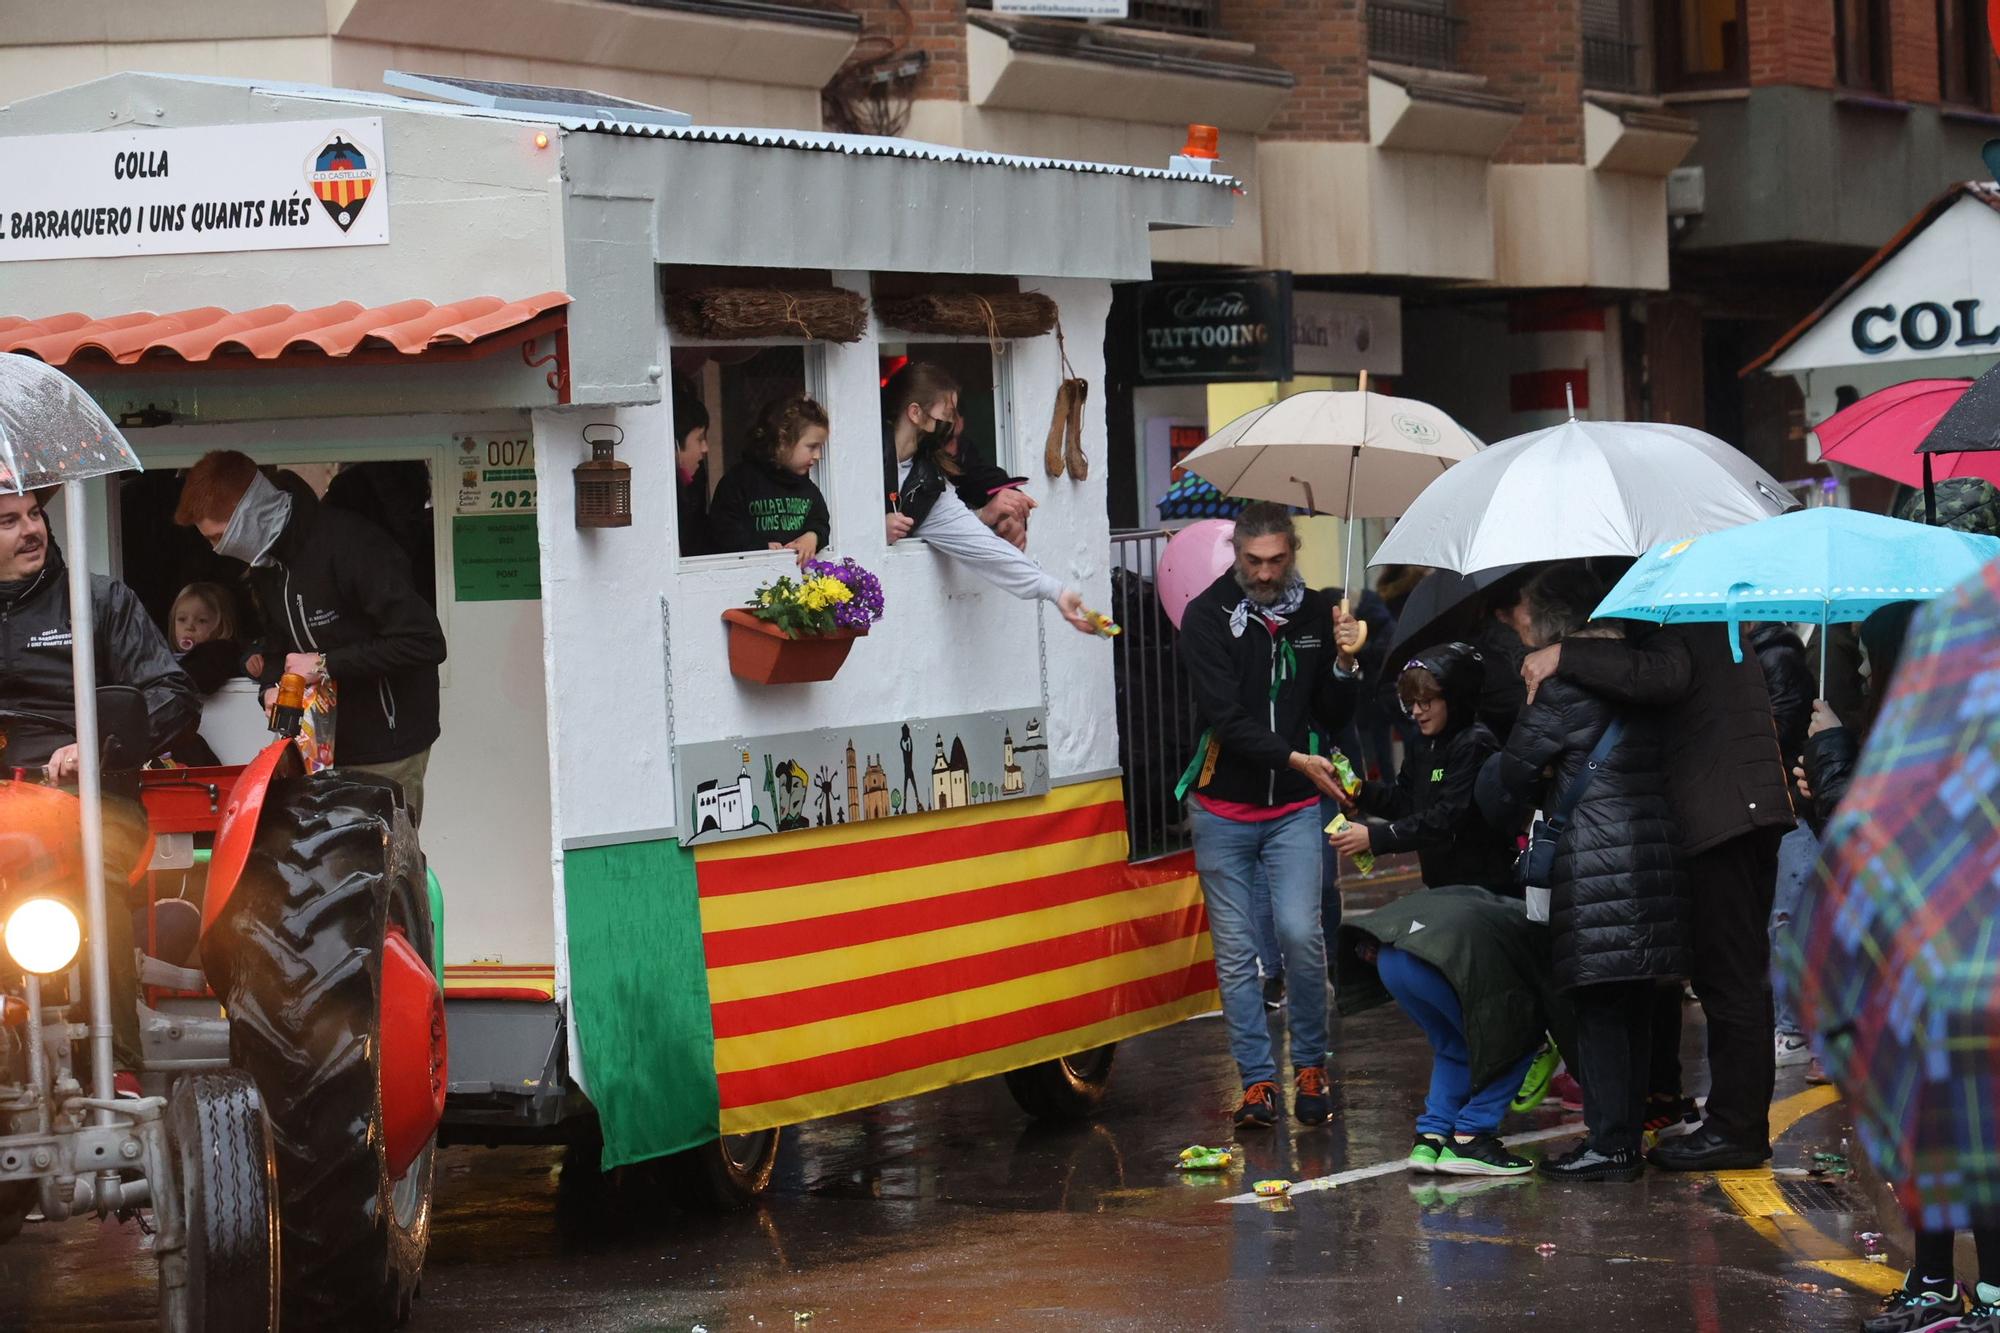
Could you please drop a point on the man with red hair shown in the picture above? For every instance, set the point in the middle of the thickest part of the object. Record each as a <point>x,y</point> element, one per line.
<point>338,603</point>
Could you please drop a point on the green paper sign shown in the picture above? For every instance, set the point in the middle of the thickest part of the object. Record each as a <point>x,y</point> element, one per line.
<point>495,558</point>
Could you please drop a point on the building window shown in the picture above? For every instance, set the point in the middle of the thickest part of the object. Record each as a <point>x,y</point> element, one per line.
<point>1702,44</point>
<point>1196,18</point>
<point>1610,46</point>
<point>1861,45</point>
<point>1414,32</point>
<point>1964,64</point>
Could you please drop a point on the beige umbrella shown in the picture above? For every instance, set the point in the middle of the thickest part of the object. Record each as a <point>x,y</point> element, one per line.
<point>1377,451</point>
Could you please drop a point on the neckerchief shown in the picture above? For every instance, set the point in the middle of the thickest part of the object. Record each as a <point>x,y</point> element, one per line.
<point>1289,601</point>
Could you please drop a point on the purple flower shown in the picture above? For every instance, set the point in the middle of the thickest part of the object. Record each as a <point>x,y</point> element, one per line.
<point>866,607</point>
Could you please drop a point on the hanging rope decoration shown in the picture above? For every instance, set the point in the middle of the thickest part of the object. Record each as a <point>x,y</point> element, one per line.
<point>970,314</point>
<point>830,314</point>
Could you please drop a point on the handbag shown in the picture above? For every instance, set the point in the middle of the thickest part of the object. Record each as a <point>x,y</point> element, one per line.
<point>1536,866</point>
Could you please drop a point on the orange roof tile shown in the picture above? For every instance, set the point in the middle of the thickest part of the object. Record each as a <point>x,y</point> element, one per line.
<point>410,327</point>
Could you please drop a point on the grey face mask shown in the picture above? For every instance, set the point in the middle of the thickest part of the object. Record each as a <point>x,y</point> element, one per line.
<point>257,524</point>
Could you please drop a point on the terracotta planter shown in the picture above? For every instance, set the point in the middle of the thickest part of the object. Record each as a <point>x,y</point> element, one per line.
<point>763,654</point>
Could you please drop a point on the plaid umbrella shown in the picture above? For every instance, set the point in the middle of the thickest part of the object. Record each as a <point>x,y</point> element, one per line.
<point>1895,959</point>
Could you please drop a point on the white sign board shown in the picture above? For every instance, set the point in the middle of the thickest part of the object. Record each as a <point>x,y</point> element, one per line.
<point>1936,298</point>
<point>1339,333</point>
<point>495,473</point>
<point>1068,9</point>
<point>295,185</point>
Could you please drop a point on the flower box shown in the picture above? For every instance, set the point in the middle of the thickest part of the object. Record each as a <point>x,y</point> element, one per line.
<point>763,654</point>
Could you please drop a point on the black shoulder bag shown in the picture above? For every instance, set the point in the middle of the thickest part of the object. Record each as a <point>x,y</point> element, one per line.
<point>1536,866</point>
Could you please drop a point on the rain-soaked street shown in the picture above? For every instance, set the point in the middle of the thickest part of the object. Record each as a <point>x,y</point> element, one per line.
<point>951,1211</point>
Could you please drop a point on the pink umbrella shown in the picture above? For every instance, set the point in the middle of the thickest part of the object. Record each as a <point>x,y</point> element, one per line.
<point>1880,434</point>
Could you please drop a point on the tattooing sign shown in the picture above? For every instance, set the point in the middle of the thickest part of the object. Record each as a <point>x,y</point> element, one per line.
<point>293,185</point>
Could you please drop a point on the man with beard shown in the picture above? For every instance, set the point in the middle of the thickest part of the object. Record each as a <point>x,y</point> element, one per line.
<point>35,677</point>
<point>1271,662</point>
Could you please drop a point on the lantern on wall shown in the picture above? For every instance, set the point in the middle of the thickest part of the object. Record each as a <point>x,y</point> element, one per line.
<point>603,484</point>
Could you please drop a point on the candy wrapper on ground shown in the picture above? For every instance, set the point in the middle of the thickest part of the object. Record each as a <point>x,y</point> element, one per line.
<point>1199,1158</point>
<point>1271,1189</point>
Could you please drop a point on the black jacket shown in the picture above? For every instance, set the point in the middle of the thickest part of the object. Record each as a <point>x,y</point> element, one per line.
<point>338,585</point>
<point>1429,808</point>
<point>1260,704</point>
<point>1502,692</point>
<point>756,504</point>
<point>1618,904</point>
<point>691,501</point>
<point>1830,760</point>
<point>1723,772</point>
<point>35,663</point>
<point>1788,678</point>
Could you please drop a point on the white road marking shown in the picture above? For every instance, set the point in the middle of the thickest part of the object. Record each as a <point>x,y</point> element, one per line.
<point>1565,1130</point>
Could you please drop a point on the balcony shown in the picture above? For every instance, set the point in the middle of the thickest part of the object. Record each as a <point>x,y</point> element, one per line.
<point>1421,35</point>
<point>1190,18</point>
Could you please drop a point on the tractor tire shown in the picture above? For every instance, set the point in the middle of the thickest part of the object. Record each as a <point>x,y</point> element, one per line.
<point>726,1175</point>
<point>1067,1089</point>
<point>227,1173</point>
<point>297,958</point>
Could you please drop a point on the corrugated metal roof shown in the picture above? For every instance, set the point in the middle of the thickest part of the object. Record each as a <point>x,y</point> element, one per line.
<point>855,145</point>
<point>409,327</point>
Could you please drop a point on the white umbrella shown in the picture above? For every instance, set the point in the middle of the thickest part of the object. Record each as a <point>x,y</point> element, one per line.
<point>52,433</point>
<point>1580,489</point>
<point>1376,451</point>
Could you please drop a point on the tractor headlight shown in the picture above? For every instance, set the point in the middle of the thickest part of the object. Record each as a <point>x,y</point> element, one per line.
<point>43,935</point>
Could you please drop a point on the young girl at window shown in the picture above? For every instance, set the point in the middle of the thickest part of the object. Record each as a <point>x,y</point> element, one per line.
<point>769,502</point>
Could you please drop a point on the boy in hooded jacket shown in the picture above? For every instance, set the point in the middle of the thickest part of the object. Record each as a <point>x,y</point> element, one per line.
<point>1429,808</point>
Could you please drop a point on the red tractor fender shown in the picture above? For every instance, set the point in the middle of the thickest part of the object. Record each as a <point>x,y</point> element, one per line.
<point>414,1078</point>
<point>279,759</point>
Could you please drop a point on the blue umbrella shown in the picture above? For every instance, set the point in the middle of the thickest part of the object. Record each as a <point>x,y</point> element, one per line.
<point>1819,565</point>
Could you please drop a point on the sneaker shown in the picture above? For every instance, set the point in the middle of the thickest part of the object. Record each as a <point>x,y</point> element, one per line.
<point>1274,992</point>
<point>1482,1155</point>
<point>1586,1163</point>
<point>1260,1106</point>
<point>1535,1085</point>
<point>1984,1316</point>
<point>1816,1072</point>
<point>1917,1309</point>
<point>125,1086</point>
<point>1791,1049</point>
<point>1670,1119</point>
<point>1424,1153</point>
<point>1567,1091</point>
<point>1706,1150</point>
<point>1312,1100</point>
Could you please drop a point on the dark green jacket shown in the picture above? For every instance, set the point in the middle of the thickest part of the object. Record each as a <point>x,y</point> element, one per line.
<point>1496,959</point>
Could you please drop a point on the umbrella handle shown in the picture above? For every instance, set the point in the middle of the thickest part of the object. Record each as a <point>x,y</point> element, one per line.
<point>1360,626</point>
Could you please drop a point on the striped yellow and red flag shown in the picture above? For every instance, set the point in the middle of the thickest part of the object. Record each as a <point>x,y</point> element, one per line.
<point>852,965</point>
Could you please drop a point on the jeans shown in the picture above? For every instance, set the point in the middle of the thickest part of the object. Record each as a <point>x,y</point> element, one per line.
<point>1733,885</point>
<point>1269,956</point>
<point>1614,1037</point>
<point>1453,1104</point>
<point>1228,855</point>
<point>1797,854</point>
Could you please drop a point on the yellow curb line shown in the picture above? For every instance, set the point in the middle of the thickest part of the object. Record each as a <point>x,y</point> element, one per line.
<point>1756,1196</point>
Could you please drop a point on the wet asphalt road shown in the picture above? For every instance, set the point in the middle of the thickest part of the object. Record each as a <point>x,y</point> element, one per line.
<point>953,1212</point>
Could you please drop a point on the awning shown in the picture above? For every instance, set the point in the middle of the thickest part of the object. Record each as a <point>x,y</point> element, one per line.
<point>345,329</point>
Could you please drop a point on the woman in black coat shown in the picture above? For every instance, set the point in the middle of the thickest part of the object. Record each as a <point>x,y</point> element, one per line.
<point>1619,907</point>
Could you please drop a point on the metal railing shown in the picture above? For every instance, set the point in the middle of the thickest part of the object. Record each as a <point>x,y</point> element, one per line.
<point>1197,18</point>
<point>1156,724</point>
<point>1611,64</point>
<point>1422,35</point>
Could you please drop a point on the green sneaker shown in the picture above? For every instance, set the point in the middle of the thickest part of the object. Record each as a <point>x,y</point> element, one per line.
<point>1535,1086</point>
<point>1481,1156</point>
<point>1424,1154</point>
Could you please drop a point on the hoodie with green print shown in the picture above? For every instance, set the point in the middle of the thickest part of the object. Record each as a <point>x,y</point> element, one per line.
<point>757,503</point>
<point>1429,808</point>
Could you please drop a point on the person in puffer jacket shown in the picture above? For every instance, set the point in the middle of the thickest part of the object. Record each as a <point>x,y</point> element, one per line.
<point>1619,912</point>
<point>1428,809</point>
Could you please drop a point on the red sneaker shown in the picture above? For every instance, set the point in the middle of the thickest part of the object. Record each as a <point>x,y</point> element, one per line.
<point>1567,1092</point>
<point>125,1083</point>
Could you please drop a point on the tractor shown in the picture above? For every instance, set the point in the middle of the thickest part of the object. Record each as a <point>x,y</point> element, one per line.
<point>282,1144</point>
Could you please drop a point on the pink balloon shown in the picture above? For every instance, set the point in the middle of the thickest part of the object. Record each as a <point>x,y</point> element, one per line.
<point>1196,556</point>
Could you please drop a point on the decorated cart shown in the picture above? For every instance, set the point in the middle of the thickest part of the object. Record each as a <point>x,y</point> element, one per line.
<point>682,908</point>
